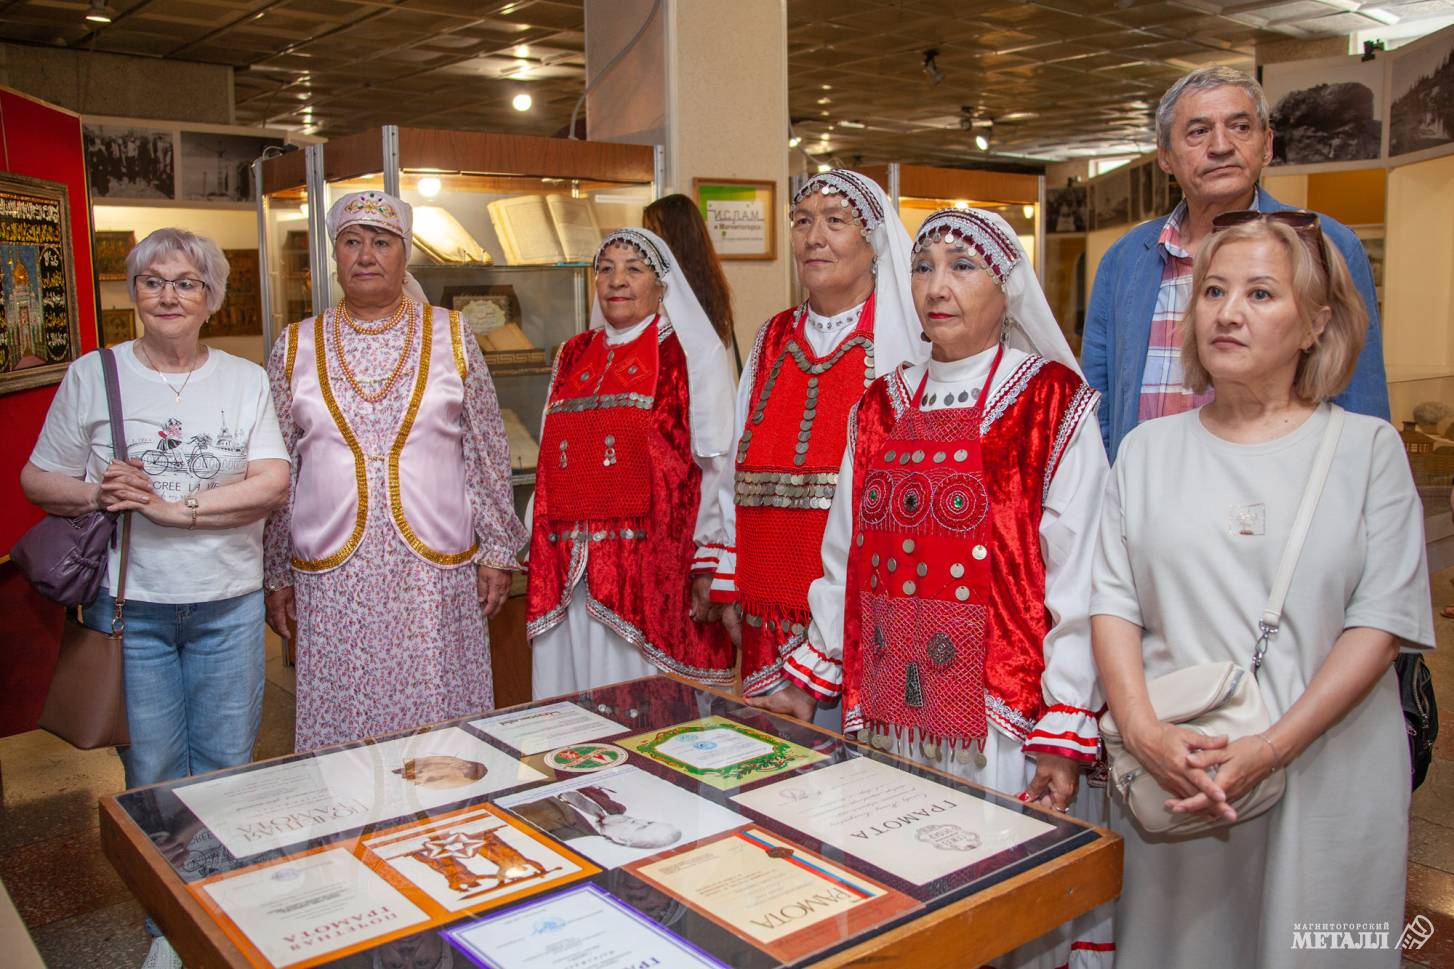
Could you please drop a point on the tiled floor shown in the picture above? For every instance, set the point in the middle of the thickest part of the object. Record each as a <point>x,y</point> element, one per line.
<point>81,915</point>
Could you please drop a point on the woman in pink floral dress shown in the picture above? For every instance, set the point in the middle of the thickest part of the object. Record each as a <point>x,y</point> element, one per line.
<point>400,532</point>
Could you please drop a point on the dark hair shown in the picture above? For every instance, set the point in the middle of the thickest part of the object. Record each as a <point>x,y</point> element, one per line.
<point>678,221</point>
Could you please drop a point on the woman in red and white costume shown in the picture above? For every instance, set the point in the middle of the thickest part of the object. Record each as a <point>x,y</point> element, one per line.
<point>808,366</point>
<point>635,436</point>
<point>952,611</point>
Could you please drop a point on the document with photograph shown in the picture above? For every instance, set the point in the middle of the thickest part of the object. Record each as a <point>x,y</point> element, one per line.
<point>775,894</point>
<point>721,752</point>
<point>473,858</point>
<point>545,728</point>
<point>620,815</point>
<point>901,822</point>
<point>303,908</point>
<point>313,797</point>
<point>581,926</point>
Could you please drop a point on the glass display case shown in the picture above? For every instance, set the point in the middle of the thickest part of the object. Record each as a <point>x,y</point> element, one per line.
<point>505,227</point>
<point>645,823</point>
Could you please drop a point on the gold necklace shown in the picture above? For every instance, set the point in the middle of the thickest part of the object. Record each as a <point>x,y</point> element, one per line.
<point>405,305</point>
<point>176,391</point>
<point>348,371</point>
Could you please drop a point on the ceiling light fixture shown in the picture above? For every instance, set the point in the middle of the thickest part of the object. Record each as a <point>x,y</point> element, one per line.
<point>825,100</point>
<point>981,142</point>
<point>824,168</point>
<point>931,66</point>
<point>98,13</point>
<point>852,124</point>
<point>1028,211</point>
<point>521,102</point>
<point>429,186</point>
<point>794,141</point>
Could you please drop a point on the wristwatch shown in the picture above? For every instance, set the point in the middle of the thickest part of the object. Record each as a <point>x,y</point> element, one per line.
<point>191,502</point>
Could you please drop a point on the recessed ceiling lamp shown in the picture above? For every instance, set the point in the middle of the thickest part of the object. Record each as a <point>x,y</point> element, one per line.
<point>981,142</point>
<point>931,66</point>
<point>823,167</point>
<point>429,186</point>
<point>1028,211</point>
<point>522,102</point>
<point>852,124</point>
<point>98,13</point>
<point>794,141</point>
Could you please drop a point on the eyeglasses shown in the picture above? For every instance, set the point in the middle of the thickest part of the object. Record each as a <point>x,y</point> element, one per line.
<point>186,287</point>
<point>1306,224</point>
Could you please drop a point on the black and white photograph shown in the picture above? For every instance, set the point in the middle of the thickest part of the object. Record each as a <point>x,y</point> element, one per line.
<point>131,163</point>
<point>1325,110</point>
<point>1065,208</point>
<point>1111,199</point>
<point>1422,113</point>
<point>218,168</point>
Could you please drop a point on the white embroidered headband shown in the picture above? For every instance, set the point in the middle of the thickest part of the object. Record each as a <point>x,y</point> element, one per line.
<point>853,192</point>
<point>644,247</point>
<point>999,253</point>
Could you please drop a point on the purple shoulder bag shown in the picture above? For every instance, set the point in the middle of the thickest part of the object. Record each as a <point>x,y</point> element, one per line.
<point>65,558</point>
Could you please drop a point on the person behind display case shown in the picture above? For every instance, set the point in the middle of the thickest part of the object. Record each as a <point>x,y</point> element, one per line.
<point>400,531</point>
<point>193,651</point>
<point>679,222</point>
<point>951,614</point>
<point>807,367</point>
<point>633,442</point>
<point>1196,518</point>
<point>1213,136</point>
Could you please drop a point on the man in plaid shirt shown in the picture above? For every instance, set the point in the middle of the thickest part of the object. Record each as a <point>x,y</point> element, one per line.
<point>1213,136</point>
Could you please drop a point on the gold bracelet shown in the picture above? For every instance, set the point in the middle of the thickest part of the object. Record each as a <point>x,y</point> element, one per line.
<point>1276,758</point>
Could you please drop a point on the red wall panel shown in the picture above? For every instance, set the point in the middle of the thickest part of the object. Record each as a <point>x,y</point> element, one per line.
<point>41,141</point>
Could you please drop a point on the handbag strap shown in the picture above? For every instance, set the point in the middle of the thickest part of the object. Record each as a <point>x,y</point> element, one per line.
<point>1271,619</point>
<point>120,452</point>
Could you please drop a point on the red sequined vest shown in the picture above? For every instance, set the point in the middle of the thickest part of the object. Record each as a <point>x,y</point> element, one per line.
<point>1025,429</point>
<point>616,500</point>
<point>787,471</point>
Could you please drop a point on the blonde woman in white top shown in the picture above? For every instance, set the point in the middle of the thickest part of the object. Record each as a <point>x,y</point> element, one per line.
<point>1196,517</point>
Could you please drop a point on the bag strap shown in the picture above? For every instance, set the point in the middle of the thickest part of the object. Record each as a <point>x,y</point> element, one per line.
<point>118,447</point>
<point>1272,615</point>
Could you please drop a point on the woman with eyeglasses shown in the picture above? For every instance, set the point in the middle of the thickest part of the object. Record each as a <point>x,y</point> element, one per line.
<point>1197,515</point>
<point>205,465</point>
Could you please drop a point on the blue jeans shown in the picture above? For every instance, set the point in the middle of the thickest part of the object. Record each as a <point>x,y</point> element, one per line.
<point>194,683</point>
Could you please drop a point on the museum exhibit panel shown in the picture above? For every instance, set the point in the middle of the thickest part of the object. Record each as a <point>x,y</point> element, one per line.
<point>645,820</point>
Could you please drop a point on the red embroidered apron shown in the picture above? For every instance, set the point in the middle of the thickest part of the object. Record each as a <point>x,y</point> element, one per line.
<point>924,567</point>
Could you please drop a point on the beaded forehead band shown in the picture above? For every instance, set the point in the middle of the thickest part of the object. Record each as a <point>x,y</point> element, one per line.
<point>999,252</point>
<point>853,192</point>
<point>644,247</point>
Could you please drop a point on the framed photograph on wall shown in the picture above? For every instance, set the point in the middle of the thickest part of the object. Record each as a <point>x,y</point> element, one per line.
<point>1329,109</point>
<point>1421,115</point>
<point>111,251</point>
<point>741,216</point>
<point>117,326</point>
<point>40,336</point>
<point>218,167</point>
<point>241,314</point>
<point>125,162</point>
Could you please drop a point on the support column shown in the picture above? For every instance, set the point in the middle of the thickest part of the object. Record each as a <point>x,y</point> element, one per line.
<point>709,81</point>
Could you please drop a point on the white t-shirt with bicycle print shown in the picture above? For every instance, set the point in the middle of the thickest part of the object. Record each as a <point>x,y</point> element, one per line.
<point>224,420</point>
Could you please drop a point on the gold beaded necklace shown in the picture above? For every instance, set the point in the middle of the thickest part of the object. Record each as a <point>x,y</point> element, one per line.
<point>398,367</point>
<point>405,305</point>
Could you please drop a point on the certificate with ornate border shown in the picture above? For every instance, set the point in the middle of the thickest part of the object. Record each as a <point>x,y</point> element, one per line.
<point>721,752</point>
<point>911,826</point>
<point>784,899</point>
<point>580,926</point>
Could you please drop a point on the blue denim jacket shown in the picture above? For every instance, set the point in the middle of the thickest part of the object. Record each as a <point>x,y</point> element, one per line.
<point>1118,325</point>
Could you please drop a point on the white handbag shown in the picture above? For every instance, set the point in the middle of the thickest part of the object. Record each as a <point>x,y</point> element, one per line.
<point>1219,699</point>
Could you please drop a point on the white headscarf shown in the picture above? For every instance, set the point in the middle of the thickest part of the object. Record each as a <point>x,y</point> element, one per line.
<point>1031,325</point>
<point>709,377</point>
<point>896,328</point>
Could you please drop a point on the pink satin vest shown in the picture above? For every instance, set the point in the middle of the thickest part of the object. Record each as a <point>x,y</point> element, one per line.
<point>423,467</point>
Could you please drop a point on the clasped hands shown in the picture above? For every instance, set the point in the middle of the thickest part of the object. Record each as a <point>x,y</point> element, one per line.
<point>1203,774</point>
